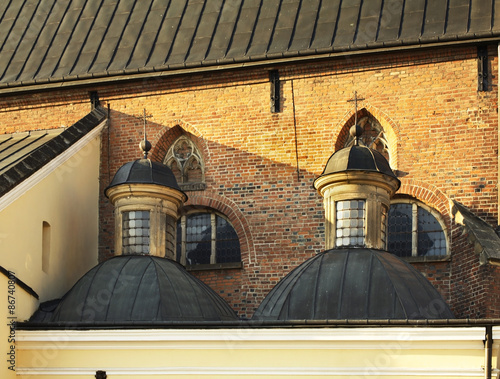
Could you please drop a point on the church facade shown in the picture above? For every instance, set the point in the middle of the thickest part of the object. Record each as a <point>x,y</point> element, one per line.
<point>246,140</point>
<point>245,103</point>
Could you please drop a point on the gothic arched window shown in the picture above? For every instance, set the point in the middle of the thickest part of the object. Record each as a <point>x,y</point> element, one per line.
<point>206,238</point>
<point>373,136</point>
<point>185,161</point>
<point>415,230</point>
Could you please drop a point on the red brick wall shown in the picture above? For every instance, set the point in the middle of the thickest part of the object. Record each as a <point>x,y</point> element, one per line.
<point>260,165</point>
<point>474,288</point>
<point>51,110</point>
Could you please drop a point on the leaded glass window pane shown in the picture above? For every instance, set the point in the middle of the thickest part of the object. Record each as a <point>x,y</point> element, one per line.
<point>227,245</point>
<point>414,231</point>
<point>383,226</point>
<point>400,230</point>
<point>135,232</point>
<point>431,239</point>
<point>350,230</point>
<point>179,242</point>
<point>198,239</point>
<point>207,238</point>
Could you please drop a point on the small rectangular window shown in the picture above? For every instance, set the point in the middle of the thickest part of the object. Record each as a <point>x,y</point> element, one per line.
<point>274,78</point>
<point>482,68</point>
<point>45,246</point>
<point>350,227</point>
<point>135,232</point>
<point>383,226</point>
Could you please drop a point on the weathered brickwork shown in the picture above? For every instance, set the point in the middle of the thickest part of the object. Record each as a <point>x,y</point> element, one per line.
<point>474,287</point>
<point>259,166</point>
<point>59,109</point>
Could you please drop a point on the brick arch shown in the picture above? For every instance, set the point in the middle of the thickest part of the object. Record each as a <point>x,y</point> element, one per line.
<point>167,136</point>
<point>389,126</point>
<point>427,194</point>
<point>210,199</point>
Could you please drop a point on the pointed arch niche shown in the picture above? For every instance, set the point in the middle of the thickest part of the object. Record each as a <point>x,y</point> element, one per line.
<point>186,162</point>
<point>378,134</point>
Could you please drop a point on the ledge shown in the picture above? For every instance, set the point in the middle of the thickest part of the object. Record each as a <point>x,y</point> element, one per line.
<point>424,259</point>
<point>215,266</point>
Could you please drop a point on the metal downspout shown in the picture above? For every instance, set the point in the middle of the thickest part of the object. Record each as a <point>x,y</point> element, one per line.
<point>488,347</point>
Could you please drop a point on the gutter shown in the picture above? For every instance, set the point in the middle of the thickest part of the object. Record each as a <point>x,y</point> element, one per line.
<point>265,60</point>
<point>256,324</point>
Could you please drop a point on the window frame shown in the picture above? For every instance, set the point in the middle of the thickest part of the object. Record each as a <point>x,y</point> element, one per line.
<point>182,221</point>
<point>414,256</point>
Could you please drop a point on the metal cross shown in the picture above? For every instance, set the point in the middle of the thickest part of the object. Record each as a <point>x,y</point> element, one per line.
<point>355,100</point>
<point>145,145</point>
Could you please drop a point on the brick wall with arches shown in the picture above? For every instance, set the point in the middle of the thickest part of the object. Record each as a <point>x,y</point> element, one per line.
<point>441,135</point>
<point>230,283</point>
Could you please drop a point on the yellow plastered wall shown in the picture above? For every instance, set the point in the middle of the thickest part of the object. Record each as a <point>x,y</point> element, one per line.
<point>51,217</point>
<point>16,304</point>
<point>255,353</point>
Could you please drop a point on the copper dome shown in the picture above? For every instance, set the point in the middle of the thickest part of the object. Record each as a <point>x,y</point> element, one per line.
<point>357,158</point>
<point>144,171</point>
<point>353,284</point>
<point>131,288</point>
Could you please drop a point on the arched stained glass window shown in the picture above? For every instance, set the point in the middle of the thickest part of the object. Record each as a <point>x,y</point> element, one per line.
<point>415,231</point>
<point>206,238</point>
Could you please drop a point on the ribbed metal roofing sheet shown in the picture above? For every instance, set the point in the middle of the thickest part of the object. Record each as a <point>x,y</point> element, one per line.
<point>23,154</point>
<point>15,147</point>
<point>353,284</point>
<point>140,288</point>
<point>44,41</point>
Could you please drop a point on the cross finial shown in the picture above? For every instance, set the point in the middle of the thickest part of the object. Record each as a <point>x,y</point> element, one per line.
<point>145,145</point>
<point>355,130</point>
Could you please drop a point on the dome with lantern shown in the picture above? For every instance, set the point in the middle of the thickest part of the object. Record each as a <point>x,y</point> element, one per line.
<point>355,278</point>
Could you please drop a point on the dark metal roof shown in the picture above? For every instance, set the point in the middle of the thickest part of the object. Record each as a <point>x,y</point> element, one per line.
<point>21,157</point>
<point>357,158</point>
<point>130,288</point>
<point>144,171</point>
<point>15,147</point>
<point>353,284</point>
<point>44,41</point>
<point>485,238</point>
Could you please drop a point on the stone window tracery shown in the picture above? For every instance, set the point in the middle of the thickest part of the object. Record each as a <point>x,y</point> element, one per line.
<point>373,136</point>
<point>185,161</point>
